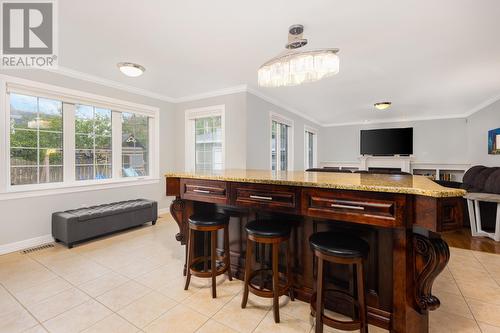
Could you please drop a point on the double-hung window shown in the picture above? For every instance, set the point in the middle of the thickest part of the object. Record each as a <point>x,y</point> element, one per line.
<point>281,143</point>
<point>93,149</point>
<point>60,138</point>
<point>310,148</point>
<point>205,139</point>
<point>135,145</point>
<point>36,140</point>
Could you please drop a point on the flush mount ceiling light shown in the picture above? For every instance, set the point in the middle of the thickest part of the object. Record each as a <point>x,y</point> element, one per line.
<point>131,69</point>
<point>382,105</point>
<point>293,67</point>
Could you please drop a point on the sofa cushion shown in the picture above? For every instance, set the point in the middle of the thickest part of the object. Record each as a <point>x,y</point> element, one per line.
<point>89,213</point>
<point>493,183</point>
<point>470,177</point>
<point>482,179</point>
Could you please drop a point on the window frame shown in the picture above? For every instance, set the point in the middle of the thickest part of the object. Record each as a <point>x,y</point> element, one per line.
<point>189,144</point>
<point>273,116</point>
<point>314,131</point>
<point>70,98</point>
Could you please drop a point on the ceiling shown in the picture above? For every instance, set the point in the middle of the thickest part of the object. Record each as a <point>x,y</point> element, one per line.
<point>432,59</point>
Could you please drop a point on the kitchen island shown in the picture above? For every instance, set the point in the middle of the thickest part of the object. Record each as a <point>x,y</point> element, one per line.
<point>398,215</point>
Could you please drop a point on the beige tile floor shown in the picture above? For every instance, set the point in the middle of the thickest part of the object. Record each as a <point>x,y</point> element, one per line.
<point>132,282</point>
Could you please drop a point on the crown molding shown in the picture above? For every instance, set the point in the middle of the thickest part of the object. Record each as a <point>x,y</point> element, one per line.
<point>271,100</point>
<point>245,88</point>
<point>482,105</point>
<point>109,83</point>
<point>396,120</point>
<point>220,92</point>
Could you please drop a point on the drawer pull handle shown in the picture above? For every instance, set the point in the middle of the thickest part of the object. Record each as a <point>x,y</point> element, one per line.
<point>348,207</point>
<point>261,197</point>
<point>201,191</point>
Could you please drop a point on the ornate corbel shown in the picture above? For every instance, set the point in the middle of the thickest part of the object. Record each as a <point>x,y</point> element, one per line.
<point>431,255</point>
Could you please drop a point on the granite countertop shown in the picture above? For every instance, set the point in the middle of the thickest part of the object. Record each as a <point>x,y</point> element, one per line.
<point>418,185</point>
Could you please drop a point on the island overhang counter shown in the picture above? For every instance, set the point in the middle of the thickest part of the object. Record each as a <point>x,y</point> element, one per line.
<point>398,215</point>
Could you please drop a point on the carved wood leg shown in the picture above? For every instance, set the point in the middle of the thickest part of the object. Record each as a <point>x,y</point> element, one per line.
<point>181,210</point>
<point>405,317</point>
<point>431,256</point>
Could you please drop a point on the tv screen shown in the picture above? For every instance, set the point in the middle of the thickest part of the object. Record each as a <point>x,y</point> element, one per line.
<point>390,141</point>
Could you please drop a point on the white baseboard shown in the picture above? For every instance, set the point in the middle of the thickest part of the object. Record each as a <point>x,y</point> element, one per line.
<point>162,211</point>
<point>24,244</point>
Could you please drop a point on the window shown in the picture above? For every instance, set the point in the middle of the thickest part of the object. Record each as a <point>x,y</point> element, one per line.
<point>64,138</point>
<point>135,145</point>
<point>36,140</point>
<point>281,143</point>
<point>93,152</point>
<point>208,144</point>
<point>310,145</point>
<point>205,139</point>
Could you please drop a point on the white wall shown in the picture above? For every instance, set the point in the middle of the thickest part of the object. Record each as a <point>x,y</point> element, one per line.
<point>236,120</point>
<point>259,133</point>
<point>434,141</point>
<point>478,126</point>
<point>28,218</point>
<point>248,131</point>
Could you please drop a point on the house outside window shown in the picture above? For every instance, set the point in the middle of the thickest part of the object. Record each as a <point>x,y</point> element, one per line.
<point>310,147</point>
<point>205,139</point>
<point>61,138</point>
<point>281,143</point>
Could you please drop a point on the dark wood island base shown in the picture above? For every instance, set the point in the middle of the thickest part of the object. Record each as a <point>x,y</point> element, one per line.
<point>406,254</point>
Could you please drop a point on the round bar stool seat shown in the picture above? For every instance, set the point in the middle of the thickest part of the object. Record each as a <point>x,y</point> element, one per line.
<point>264,228</point>
<point>274,233</point>
<point>209,224</point>
<point>339,244</point>
<point>212,220</point>
<point>339,248</point>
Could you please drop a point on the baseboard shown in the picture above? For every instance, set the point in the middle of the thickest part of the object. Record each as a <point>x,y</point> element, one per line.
<point>165,210</point>
<point>24,244</point>
<point>162,211</point>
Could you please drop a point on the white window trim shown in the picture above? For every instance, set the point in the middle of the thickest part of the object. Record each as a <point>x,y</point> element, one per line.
<point>70,97</point>
<point>273,116</point>
<point>314,131</point>
<point>189,143</point>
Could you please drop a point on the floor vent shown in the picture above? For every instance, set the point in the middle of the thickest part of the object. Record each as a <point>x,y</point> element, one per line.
<point>37,248</point>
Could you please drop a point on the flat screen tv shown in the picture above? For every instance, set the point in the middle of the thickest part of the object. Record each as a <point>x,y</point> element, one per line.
<point>388,141</point>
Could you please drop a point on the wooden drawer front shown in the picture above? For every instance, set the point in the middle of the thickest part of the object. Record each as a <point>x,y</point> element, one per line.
<point>265,196</point>
<point>204,190</point>
<point>378,209</point>
<point>450,212</point>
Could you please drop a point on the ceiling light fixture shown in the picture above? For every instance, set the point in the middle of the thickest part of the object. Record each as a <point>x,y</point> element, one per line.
<point>131,69</point>
<point>382,105</point>
<point>296,67</point>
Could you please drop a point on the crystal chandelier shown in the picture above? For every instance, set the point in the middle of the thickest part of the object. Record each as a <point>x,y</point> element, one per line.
<point>292,67</point>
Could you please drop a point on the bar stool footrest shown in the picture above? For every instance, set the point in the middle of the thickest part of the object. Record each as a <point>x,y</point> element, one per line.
<point>283,288</point>
<point>206,274</point>
<point>350,325</point>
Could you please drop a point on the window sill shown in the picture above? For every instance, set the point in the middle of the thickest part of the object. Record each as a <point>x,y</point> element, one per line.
<point>54,189</point>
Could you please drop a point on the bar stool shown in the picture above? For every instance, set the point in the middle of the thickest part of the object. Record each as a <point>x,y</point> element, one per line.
<point>274,233</point>
<point>208,224</point>
<point>345,249</point>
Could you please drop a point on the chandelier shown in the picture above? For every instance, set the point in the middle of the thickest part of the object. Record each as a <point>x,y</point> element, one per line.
<point>293,67</point>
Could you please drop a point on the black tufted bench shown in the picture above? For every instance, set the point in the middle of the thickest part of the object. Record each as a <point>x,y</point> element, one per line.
<point>76,225</point>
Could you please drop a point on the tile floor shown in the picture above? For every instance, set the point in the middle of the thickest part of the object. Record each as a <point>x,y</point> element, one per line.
<point>132,282</point>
